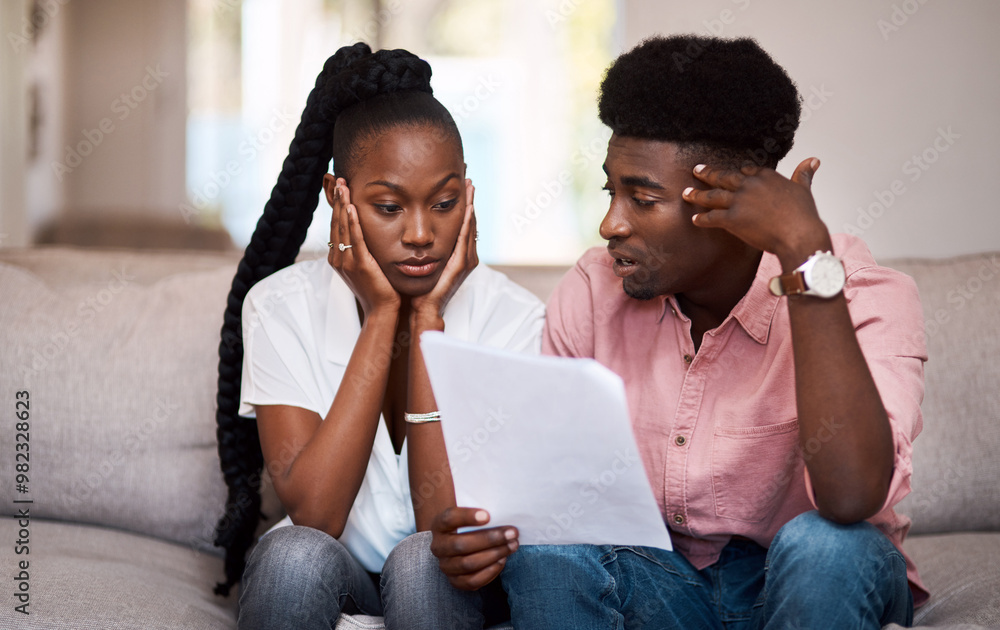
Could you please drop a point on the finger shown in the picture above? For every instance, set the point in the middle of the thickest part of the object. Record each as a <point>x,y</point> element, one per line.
<point>805,171</point>
<point>473,255</point>
<point>711,219</point>
<point>337,223</point>
<point>727,179</point>
<point>452,518</point>
<point>475,562</point>
<point>713,198</point>
<point>457,545</point>
<point>359,249</point>
<point>480,579</point>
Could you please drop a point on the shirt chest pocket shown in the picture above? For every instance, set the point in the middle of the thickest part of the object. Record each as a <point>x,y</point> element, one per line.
<point>752,468</point>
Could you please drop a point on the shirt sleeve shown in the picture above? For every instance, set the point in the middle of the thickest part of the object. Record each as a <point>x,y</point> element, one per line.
<point>888,321</point>
<point>569,323</point>
<point>276,365</point>
<point>512,318</point>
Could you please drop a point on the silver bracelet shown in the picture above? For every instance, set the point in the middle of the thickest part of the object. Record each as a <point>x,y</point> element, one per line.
<point>420,418</point>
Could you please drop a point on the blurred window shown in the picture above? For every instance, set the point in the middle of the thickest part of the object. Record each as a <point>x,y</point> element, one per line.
<point>520,77</point>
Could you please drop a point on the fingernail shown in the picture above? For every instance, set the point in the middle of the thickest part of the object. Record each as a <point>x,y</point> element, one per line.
<point>688,191</point>
<point>482,516</point>
<point>699,168</point>
<point>512,545</point>
<point>510,534</point>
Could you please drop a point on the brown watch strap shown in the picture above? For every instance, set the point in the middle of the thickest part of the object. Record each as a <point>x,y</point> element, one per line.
<point>788,284</point>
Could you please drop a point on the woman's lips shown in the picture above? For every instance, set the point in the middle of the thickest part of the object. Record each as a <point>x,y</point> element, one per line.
<point>418,268</point>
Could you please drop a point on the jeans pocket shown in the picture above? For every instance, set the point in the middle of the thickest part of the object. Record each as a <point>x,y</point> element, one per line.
<point>752,467</point>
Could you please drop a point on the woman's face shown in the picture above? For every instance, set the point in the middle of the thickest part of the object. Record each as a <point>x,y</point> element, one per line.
<point>409,189</point>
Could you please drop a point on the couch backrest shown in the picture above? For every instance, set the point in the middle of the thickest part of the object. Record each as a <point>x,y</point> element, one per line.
<point>956,460</point>
<point>120,366</point>
<point>118,353</point>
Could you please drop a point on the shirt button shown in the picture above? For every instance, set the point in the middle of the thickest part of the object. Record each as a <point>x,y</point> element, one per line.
<point>680,440</point>
<point>688,358</point>
<point>679,519</point>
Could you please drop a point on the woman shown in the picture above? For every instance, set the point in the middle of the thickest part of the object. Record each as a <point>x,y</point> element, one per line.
<point>332,366</point>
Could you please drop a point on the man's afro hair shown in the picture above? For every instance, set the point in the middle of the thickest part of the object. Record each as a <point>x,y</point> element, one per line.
<point>723,95</point>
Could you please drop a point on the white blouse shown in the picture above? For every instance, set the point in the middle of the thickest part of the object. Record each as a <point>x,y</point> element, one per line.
<point>299,328</point>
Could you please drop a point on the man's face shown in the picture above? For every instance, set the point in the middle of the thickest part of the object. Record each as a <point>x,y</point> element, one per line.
<point>656,247</point>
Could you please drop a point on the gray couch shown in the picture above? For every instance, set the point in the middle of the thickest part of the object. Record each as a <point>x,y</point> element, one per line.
<point>117,351</point>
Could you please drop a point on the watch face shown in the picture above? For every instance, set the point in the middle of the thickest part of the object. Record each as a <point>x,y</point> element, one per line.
<point>826,276</point>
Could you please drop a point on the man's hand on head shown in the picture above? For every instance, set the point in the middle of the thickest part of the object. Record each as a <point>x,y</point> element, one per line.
<point>763,208</point>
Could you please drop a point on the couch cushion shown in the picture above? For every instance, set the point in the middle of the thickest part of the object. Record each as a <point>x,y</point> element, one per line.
<point>91,578</point>
<point>955,466</point>
<point>121,372</point>
<point>962,573</point>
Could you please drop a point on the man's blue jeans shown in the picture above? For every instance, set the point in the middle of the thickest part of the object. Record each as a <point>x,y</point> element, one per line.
<point>817,574</point>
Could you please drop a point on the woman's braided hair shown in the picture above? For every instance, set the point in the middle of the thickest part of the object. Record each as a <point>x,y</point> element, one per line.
<point>377,91</point>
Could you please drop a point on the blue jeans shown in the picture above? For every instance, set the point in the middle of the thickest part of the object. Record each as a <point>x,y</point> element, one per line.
<point>301,578</point>
<point>817,574</point>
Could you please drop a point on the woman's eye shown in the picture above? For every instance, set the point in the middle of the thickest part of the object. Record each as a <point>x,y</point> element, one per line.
<point>643,203</point>
<point>609,190</point>
<point>447,205</point>
<point>387,208</point>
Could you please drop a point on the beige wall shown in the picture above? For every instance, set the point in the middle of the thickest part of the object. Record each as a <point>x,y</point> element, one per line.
<point>126,95</point>
<point>14,231</point>
<point>110,113</point>
<point>882,79</point>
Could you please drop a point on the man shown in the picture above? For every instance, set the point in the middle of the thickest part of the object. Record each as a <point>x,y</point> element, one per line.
<point>774,373</point>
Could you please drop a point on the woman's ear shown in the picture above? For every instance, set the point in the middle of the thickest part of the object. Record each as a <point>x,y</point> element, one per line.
<point>330,187</point>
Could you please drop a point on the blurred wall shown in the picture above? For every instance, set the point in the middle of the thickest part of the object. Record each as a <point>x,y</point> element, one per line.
<point>126,97</point>
<point>902,106</point>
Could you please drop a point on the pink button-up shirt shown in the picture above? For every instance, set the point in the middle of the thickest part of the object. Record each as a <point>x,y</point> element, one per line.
<point>718,430</point>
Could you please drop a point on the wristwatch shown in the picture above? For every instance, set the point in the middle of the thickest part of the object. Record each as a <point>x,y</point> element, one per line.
<point>822,275</point>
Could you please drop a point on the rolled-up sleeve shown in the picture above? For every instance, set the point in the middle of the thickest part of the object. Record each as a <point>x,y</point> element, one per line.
<point>888,320</point>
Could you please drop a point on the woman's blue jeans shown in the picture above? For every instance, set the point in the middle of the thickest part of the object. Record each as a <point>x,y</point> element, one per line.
<point>300,578</point>
<point>816,574</point>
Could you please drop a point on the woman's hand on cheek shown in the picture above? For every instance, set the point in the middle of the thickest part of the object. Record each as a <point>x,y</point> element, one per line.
<point>355,263</point>
<point>464,258</point>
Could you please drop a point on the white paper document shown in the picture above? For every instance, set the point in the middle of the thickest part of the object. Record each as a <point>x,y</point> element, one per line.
<point>542,443</point>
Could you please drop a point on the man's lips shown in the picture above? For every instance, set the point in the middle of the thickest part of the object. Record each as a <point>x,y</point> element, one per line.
<point>418,267</point>
<point>623,265</point>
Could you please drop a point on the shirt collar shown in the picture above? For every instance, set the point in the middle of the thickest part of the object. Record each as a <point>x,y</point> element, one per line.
<point>755,311</point>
